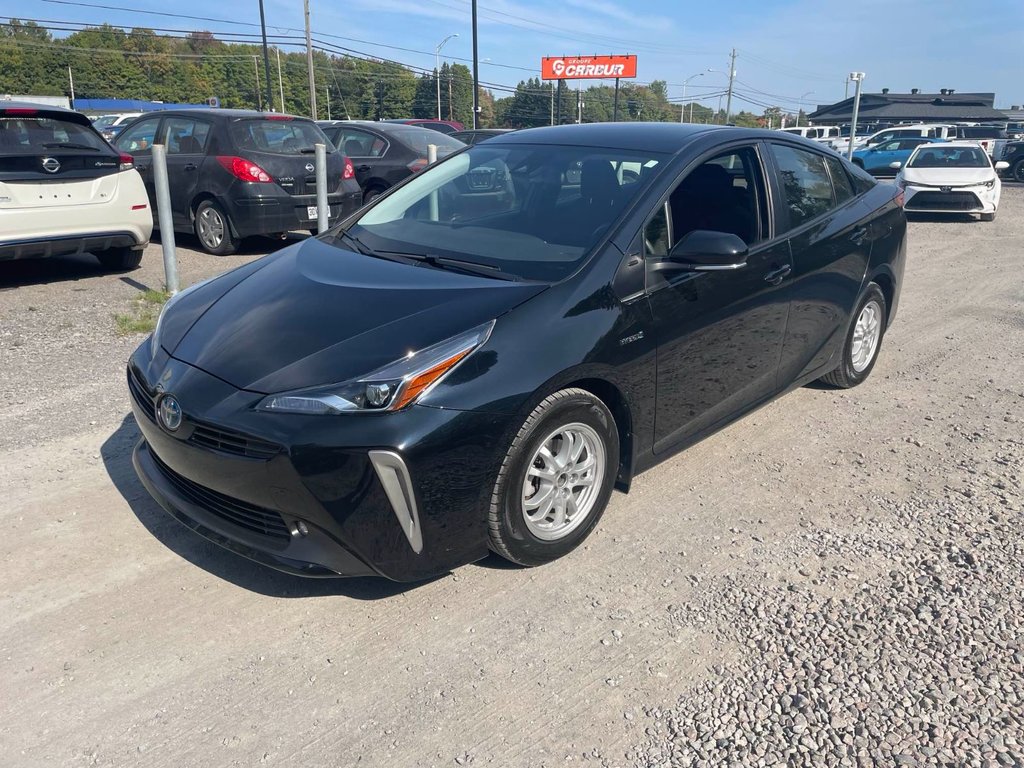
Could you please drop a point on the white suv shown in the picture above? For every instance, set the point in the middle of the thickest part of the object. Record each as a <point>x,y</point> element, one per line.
<point>64,190</point>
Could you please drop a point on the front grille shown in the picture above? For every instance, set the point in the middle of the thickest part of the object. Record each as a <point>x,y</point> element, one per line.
<point>945,201</point>
<point>261,521</point>
<point>144,401</point>
<point>235,443</point>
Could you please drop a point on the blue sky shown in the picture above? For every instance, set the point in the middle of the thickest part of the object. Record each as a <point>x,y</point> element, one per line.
<point>786,48</point>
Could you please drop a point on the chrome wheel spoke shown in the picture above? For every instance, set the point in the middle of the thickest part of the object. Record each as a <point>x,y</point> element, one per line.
<point>542,498</point>
<point>542,473</point>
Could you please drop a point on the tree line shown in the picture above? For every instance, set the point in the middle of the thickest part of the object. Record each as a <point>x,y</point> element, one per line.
<point>109,62</point>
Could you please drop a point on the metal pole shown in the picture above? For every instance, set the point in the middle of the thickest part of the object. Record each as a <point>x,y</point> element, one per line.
<point>552,113</point>
<point>259,98</point>
<point>615,109</point>
<point>691,112</point>
<point>323,210</point>
<point>327,93</point>
<point>71,82</point>
<point>558,101</point>
<point>476,75</point>
<point>280,81</point>
<point>309,65</point>
<point>431,159</point>
<point>266,58</point>
<point>163,211</point>
<point>859,78</point>
<point>732,76</point>
<point>437,78</point>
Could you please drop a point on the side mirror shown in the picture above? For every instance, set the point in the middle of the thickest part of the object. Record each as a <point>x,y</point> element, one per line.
<point>705,251</point>
<point>1002,165</point>
<point>895,165</point>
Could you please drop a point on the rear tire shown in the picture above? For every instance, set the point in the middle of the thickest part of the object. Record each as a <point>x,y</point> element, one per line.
<point>556,479</point>
<point>120,259</point>
<point>863,341</point>
<point>213,228</point>
<point>373,193</point>
<point>988,216</point>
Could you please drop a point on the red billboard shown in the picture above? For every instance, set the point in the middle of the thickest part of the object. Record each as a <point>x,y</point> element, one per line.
<point>586,67</point>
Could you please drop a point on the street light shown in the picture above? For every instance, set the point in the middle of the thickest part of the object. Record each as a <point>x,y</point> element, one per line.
<point>858,78</point>
<point>683,105</point>
<point>437,60</point>
<point>800,107</point>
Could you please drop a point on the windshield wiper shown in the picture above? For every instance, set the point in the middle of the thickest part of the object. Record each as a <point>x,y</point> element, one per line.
<point>70,145</point>
<point>470,267</point>
<point>357,244</point>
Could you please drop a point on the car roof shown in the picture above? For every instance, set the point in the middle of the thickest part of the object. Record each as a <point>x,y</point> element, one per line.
<point>958,144</point>
<point>656,137</point>
<point>46,109</point>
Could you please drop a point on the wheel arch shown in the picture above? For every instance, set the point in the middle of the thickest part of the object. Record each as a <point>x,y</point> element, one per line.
<point>201,197</point>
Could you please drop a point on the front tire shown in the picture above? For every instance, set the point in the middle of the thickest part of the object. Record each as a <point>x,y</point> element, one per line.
<point>863,341</point>
<point>1017,172</point>
<point>213,228</point>
<point>556,479</point>
<point>120,259</point>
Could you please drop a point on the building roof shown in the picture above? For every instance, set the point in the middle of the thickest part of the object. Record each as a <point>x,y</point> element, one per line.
<point>916,107</point>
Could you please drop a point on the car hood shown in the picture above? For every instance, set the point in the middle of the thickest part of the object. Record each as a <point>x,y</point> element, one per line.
<point>954,177</point>
<point>317,314</point>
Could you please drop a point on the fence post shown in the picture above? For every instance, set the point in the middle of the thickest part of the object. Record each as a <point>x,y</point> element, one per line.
<point>163,210</point>
<point>323,210</point>
<point>431,159</point>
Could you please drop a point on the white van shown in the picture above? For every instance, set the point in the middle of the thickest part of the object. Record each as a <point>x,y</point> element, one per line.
<point>824,133</point>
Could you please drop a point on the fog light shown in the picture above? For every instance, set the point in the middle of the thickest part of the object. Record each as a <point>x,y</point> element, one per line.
<point>378,395</point>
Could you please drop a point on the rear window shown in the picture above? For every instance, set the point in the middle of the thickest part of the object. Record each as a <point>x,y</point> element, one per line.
<point>278,137</point>
<point>418,138</point>
<point>26,135</point>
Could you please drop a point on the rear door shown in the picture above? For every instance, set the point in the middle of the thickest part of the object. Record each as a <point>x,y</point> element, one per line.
<point>366,150</point>
<point>824,219</point>
<point>50,159</point>
<point>186,139</point>
<point>719,333</point>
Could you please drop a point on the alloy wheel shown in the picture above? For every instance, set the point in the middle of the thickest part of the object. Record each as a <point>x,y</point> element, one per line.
<point>211,228</point>
<point>563,481</point>
<point>866,334</point>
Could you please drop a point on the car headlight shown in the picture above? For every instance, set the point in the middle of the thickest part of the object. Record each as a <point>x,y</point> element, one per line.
<point>170,303</point>
<point>989,184</point>
<point>390,388</point>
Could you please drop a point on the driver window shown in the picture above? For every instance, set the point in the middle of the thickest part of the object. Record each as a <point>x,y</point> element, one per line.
<point>723,194</point>
<point>139,138</point>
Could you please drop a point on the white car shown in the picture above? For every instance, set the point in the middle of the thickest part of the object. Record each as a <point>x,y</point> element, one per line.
<point>951,177</point>
<point>920,130</point>
<point>64,190</point>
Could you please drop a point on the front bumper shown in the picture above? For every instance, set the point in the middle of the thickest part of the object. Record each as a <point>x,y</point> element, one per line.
<point>955,200</point>
<point>301,494</point>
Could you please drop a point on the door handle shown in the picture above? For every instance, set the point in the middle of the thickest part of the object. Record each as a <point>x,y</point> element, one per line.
<point>858,235</point>
<point>191,166</point>
<point>363,168</point>
<point>776,276</point>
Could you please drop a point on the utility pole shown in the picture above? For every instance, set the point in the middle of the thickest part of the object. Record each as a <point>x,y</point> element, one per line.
<point>579,104</point>
<point>71,82</point>
<point>552,105</point>
<point>266,58</point>
<point>327,91</point>
<point>309,65</point>
<point>858,78</point>
<point>259,97</point>
<point>280,81</point>
<point>732,76</point>
<point>476,75</point>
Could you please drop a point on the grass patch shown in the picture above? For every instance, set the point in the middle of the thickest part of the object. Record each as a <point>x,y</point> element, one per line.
<point>143,313</point>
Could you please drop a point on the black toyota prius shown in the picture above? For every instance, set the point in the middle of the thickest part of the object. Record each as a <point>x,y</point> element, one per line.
<point>476,360</point>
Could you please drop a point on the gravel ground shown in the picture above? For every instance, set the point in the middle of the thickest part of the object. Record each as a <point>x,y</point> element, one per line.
<point>835,580</point>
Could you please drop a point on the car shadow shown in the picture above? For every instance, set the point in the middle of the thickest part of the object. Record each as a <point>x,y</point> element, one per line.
<point>116,453</point>
<point>54,269</point>
<point>249,246</point>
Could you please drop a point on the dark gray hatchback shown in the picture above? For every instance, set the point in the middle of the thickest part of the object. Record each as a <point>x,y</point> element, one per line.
<point>238,173</point>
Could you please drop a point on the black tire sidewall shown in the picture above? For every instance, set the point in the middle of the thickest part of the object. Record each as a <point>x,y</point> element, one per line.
<point>523,545</point>
<point>855,377</point>
<point>1017,172</point>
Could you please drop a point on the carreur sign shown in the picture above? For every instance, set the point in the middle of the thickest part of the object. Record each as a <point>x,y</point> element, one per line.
<point>586,67</point>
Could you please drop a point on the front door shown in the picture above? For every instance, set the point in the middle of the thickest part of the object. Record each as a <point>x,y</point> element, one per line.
<point>719,333</point>
<point>137,140</point>
<point>185,139</point>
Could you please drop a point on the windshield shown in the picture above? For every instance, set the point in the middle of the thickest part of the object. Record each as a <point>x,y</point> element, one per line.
<point>21,134</point>
<point>949,157</point>
<point>104,120</point>
<point>278,136</point>
<point>532,211</point>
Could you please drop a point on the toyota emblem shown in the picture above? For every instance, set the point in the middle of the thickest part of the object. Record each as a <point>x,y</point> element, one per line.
<point>51,164</point>
<point>310,167</point>
<point>945,189</point>
<point>170,413</point>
